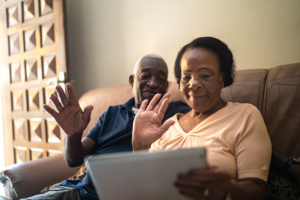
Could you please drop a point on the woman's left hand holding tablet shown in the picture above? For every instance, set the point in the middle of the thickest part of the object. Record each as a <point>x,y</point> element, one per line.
<point>210,183</point>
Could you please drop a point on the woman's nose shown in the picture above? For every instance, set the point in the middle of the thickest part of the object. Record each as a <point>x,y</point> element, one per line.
<point>195,84</point>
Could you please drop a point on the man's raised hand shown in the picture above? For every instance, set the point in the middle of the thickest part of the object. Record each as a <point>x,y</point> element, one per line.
<point>69,117</point>
<point>147,126</point>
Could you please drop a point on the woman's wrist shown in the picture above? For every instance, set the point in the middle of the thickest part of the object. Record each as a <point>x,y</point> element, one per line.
<point>228,194</point>
<point>137,145</point>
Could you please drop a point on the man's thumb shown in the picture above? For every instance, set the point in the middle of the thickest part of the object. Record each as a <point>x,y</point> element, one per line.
<point>86,116</point>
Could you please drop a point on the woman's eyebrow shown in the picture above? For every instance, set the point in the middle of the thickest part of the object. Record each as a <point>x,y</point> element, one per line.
<point>208,69</point>
<point>205,68</point>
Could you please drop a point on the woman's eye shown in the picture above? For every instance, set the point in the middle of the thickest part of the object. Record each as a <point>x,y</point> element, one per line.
<point>185,79</point>
<point>207,77</point>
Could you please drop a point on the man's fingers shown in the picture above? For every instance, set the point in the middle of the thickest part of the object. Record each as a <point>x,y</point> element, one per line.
<point>62,96</point>
<point>163,108</point>
<point>167,95</point>
<point>86,116</point>
<point>56,103</point>
<point>51,111</point>
<point>153,102</point>
<point>144,105</point>
<point>72,95</point>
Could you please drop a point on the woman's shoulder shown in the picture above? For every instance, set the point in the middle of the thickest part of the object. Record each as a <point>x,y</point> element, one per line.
<point>244,108</point>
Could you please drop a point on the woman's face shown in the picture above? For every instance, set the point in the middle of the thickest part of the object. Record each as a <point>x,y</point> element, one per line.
<point>201,81</point>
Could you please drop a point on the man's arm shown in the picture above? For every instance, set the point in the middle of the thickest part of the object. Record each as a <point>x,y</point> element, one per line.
<point>279,159</point>
<point>72,120</point>
<point>76,149</point>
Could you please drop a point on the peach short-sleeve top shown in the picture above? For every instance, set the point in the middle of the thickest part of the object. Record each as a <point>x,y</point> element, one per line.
<point>235,137</point>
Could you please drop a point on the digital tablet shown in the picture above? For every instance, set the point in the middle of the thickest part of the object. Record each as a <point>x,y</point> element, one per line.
<point>142,175</point>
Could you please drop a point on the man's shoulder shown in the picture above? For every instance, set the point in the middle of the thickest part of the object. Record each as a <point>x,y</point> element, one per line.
<point>119,109</point>
<point>178,104</point>
<point>178,107</point>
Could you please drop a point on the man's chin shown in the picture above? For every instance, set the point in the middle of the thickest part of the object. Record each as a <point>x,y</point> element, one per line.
<point>149,97</point>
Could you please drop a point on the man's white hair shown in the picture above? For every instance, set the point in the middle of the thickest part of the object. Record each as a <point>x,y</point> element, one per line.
<point>137,64</point>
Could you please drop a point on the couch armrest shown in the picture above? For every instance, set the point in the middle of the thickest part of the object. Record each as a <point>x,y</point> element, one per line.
<point>29,178</point>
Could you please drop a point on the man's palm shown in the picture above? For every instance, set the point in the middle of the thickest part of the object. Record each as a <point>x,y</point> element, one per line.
<point>70,117</point>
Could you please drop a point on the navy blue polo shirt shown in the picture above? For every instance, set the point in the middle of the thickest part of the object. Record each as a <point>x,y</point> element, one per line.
<point>112,134</point>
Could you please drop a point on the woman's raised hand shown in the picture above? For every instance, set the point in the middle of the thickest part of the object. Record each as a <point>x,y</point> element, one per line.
<point>69,117</point>
<point>147,126</point>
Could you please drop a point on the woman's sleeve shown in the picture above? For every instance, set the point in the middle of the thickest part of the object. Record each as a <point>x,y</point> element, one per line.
<point>253,147</point>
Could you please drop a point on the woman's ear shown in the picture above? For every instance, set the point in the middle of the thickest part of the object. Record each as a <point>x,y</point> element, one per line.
<point>222,80</point>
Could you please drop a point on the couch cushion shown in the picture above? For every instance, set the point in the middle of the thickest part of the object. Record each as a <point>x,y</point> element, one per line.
<point>248,87</point>
<point>282,108</point>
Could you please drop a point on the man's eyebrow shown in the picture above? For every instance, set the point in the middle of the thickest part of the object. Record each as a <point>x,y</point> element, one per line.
<point>149,69</point>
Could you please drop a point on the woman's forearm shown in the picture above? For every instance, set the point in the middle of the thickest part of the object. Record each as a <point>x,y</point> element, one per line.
<point>248,189</point>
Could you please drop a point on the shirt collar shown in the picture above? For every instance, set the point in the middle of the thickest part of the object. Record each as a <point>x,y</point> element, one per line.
<point>129,104</point>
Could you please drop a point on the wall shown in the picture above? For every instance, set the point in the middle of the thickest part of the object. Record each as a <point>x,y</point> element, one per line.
<point>106,37</point>
<point>1,141</point>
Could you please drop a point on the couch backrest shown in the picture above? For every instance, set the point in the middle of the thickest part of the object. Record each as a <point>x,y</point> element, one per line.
<point>281,109</point>
<point>275,92</point>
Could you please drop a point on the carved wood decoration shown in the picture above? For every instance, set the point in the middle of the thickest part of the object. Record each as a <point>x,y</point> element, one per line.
<point>32,52</point>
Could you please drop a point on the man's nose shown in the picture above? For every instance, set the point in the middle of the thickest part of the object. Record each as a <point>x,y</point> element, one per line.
<point>195,84</point>
<point>152,82</point>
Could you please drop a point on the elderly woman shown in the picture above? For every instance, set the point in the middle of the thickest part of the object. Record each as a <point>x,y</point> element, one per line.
<point>234,134</point>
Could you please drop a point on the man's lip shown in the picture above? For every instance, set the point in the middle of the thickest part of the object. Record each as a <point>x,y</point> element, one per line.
<point>198,96</point>
<point>148,91</point>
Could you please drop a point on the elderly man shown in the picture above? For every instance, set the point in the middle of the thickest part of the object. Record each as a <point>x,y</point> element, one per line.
<point>113,131</point>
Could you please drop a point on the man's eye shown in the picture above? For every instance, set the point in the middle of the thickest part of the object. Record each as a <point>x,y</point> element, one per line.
<point>144,76</point>
<point>162,78</point>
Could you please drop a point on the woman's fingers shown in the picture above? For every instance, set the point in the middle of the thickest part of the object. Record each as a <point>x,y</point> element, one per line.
<point>163,108</point>
<point>157,107</point>
<point>143,106</point>
<point>62,96</point>
<point>153,102</point>
<point>191,192</point>
<point>165,127</point>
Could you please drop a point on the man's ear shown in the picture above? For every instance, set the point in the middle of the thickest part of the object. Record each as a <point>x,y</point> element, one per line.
<point>131,80</point>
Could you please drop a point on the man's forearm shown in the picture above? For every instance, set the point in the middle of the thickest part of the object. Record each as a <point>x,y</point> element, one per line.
<point>73,150</point>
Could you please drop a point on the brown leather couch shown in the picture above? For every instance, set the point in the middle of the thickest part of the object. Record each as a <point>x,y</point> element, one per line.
<point>275,92</point>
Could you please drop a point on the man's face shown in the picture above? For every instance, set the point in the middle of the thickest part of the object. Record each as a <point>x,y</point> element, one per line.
<point>151,78</point>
